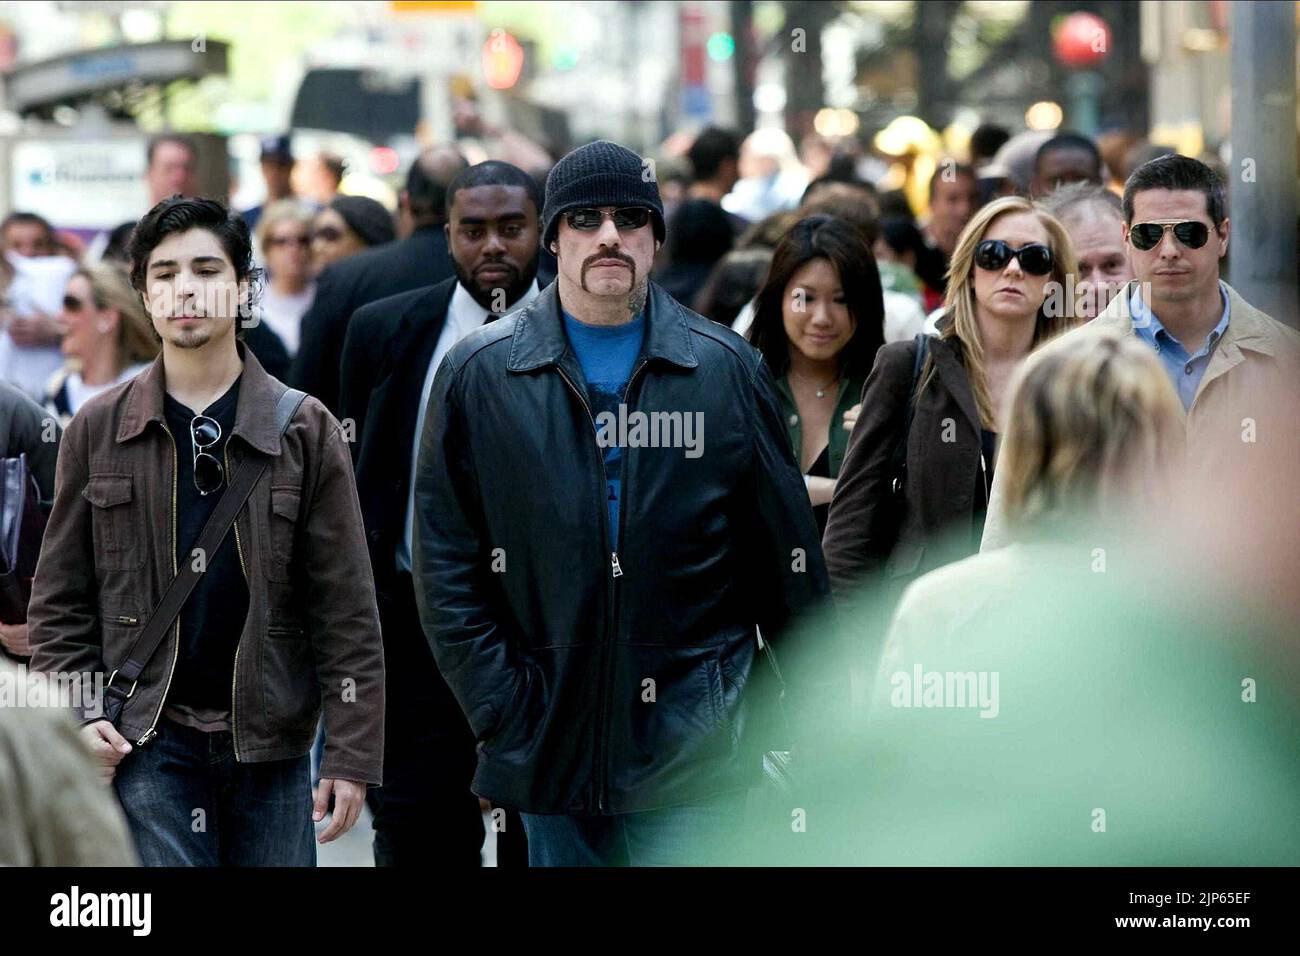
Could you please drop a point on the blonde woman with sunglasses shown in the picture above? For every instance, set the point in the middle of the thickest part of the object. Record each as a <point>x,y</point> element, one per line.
<point>107,338</point>
<point>912,498</point>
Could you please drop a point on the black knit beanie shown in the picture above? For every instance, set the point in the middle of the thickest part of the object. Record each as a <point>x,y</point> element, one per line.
<point>600,174</point>
<point>372,223</point>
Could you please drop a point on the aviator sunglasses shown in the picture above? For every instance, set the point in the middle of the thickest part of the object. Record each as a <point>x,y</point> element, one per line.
<point>626,218</point>
<point>994,254</point>
<point>205,432</point>
<point>1147,235</point>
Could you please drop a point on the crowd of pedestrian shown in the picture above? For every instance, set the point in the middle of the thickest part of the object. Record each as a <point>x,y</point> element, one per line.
<point>513,501</point>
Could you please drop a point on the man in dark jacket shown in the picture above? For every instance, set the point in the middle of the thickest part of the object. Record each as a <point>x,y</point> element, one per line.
<point>606,512</point>
<point>425,813</point>
<point>210,750</point>
<point>419,260</point>
<point>26,429</point>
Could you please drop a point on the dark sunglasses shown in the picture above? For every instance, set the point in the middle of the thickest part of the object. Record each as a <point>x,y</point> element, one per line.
<point>328,234</point>
<point>1147,235</point>
<point>208,474</point>
<point>994,254</point>
<point>588,220</point>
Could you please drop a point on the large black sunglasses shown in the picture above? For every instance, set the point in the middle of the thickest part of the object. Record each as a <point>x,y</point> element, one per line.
<point>208,474</point>
<point>994,254</point>
<point>626,218</point>
<point>1147,235</point>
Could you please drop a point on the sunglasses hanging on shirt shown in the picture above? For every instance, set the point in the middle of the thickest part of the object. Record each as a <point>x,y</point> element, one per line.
<point>205,432</point>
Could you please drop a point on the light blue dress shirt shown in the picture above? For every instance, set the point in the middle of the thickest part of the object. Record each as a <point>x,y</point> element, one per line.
<point>1185,371</point>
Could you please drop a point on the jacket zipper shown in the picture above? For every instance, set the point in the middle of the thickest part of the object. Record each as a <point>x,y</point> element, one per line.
<point>624,483</point>
<point>234,672</point>
<point>616,571</point>
<point>151,733</point>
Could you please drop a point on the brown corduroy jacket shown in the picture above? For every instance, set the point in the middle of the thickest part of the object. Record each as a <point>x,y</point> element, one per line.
<point>311,636</point>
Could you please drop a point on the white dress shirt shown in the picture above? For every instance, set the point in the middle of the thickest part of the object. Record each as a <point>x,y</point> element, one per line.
<point>283,314</point>
<point>464,315</point>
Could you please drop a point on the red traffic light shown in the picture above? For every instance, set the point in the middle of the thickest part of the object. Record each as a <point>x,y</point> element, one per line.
<point>503,60</point>
<point>1082,40</point>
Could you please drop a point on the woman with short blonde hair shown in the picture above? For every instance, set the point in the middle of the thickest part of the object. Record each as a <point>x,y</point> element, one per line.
<point>1093,425</point>
<point>1094,436</point>
<point>108,339</point>
<point>284,237</point>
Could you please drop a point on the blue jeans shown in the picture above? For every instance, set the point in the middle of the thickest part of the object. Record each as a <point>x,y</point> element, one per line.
<point>696,834</point>
<point>190,803</point>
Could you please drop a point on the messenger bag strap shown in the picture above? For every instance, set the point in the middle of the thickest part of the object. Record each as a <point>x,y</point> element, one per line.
<point>898,458</point>
<point>178,591</point>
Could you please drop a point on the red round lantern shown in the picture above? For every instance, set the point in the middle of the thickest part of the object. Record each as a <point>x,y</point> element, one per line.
<point>1081,41</point>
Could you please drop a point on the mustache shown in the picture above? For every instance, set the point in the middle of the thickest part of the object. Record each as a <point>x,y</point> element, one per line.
<point>496,264</point>
<point>612,254</point>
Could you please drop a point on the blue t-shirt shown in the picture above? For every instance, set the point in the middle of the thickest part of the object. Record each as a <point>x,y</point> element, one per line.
<point>607,354</point>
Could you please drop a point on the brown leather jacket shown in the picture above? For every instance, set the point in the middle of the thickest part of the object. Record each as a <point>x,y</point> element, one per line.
<point>312,630</point>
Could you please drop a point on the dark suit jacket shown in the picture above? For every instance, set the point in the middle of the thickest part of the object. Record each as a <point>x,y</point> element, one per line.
<point>22,422</point>
<point>940,501</point>
<point>342,288</point>
<point>269,349</point>
<point>386,354</point>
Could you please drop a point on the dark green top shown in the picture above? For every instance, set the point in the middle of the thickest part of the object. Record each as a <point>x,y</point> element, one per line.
<point>849,395</point>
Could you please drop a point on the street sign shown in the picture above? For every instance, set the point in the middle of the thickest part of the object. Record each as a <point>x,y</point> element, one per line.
<point>79,184</point>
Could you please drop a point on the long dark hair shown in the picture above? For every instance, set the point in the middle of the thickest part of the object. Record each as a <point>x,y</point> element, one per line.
<point>822,237</point>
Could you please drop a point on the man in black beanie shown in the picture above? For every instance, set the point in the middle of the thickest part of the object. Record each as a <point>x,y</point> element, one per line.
<point>607,510</point>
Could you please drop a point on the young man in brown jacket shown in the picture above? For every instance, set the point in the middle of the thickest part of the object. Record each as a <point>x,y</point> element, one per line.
<point>209,754</point>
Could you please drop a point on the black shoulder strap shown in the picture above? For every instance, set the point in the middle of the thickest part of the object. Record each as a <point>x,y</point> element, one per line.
<point>898,460</point>
<point>182,585</point>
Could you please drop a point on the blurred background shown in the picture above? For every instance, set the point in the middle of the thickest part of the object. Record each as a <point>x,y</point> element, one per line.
<point>312,101</point>
<point>886,86</point>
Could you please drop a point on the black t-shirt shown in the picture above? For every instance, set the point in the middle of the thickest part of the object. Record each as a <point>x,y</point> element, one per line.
<point>213,617</point>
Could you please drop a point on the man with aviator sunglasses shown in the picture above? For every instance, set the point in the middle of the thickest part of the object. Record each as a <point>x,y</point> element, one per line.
<point>1234,368</point>
<point>1177,228</point>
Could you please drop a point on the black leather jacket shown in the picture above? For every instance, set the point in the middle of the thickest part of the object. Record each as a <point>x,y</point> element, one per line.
<point>601,682</point>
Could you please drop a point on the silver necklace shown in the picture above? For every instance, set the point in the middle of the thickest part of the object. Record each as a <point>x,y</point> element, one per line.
<point>821,392</point>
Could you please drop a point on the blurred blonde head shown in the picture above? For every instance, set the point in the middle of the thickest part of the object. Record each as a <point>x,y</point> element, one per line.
<point>1093,426</point>
<point>282,210</point>
<point>960,300</point>
<point>111,287</point>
